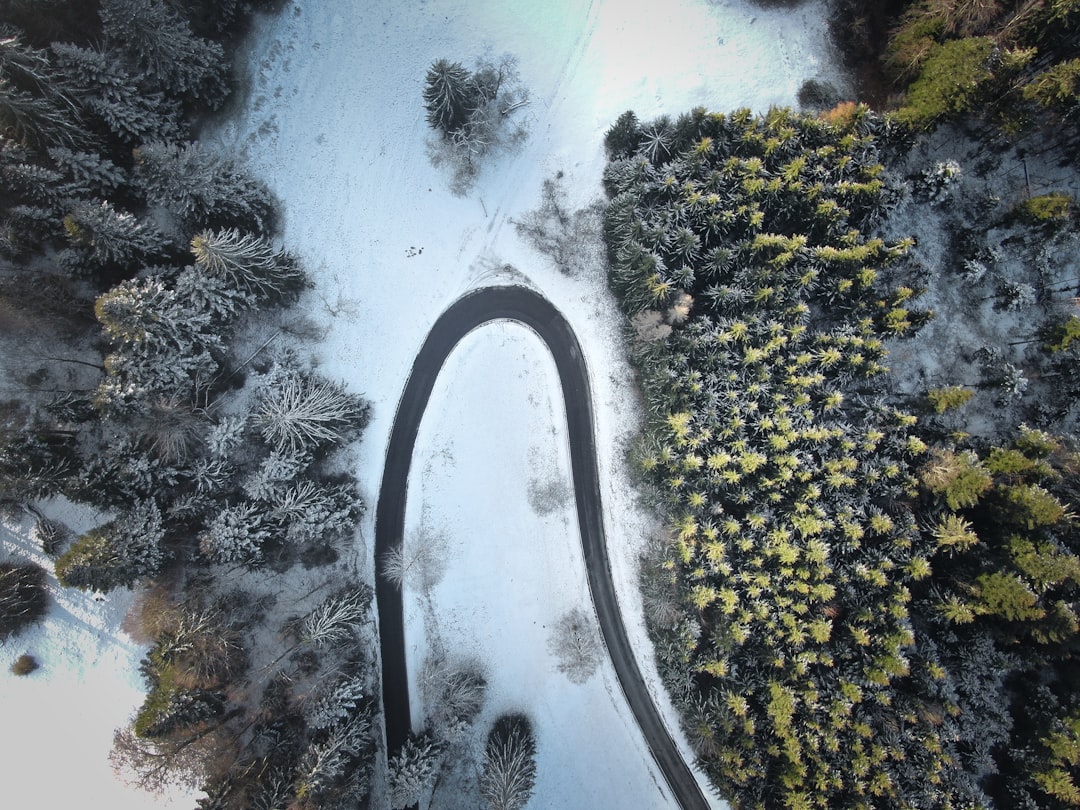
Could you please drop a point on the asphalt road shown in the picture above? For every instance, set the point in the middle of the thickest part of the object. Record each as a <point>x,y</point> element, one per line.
<point>529,308</point>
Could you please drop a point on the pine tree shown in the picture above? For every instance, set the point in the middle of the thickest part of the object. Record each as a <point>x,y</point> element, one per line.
<point>161,46</point>
<point>450,96</point>
<point>301,412</point>
<point>105,90</point>
<point>248,263</point>
<point>109,239</point>
<point>411,771</point>
<point>236,534</point>
<point>116,554</point>
<point>312,512</point>
<point>334,704</point>
<point>509,769</point>
<point>23,599</point>
<point>335,619</point>
<point>35,109</point>
<point>202,188</point>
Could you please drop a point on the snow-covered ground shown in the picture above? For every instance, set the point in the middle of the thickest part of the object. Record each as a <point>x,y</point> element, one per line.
<point>58,721</point>
<point>332,120</point>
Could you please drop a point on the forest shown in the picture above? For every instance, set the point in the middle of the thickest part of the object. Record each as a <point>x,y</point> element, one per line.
<point>854,329</point>
<point>139,279</point>
<point>865,598</point>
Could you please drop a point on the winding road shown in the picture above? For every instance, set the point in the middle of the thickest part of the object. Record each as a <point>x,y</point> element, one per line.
<point>529,308</point>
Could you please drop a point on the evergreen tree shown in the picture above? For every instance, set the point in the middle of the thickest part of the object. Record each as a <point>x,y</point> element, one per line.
<point>411,771</point>
<point>161,46</point>
<point>103,88</point>
<point>248,263</point>
<point>35,109</point>
<point>450,96</point>
<point>23,599</point>
<point>202,188</point>
<point>509,769</point>
<point>109,239</point>
<point>301,412</point>
<point>236,534</point>
<point>116,554</point>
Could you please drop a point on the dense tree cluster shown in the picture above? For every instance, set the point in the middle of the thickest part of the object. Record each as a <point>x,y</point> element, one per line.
<point>1013,61</point>
<point>133,256</point>
<point>841,602</point>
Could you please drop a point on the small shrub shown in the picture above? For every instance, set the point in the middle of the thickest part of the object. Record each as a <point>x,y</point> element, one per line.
<point>948,398</point>
<point>1045,209</point>
<point>24,665</point>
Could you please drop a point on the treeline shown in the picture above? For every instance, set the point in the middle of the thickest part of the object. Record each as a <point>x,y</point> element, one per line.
<point>131,259</point>
<point>850,609</point>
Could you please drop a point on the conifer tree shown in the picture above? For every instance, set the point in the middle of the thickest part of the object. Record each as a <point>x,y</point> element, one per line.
<point>117,554</point>
<point>162,47</point>
<point>411,771</point>
<point>509,769</point>
<point>450,96</point>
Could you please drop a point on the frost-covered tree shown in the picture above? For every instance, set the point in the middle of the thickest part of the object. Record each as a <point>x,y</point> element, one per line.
<point>104,237</point>
<point>35,462</point>
<point>335,619</point>
<point>275,473</point>
<point>86,174</point>
<point>99,82</point>
<point>411,771</point>
<point>572,239</point>
<point>117,554</point>
<point>450,96</point>
<point>471,111</point>
<point>161,46</point>
<point>35,108</point>
<point>166,345</point>
<point>226,436</point>
<point>509,770</point>
<point>455,693</point>
<point>51,535</point>
<point>300,411</point>
<point>202,188</point>
<point>236,534</point>
<point>310,511</point>
<point>334,704</point>
<point>333,754</point>
<point>576,645</point>
<point>248,262</point>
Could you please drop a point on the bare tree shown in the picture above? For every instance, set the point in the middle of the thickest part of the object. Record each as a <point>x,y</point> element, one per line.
<point>419,563</point>
<point>576,644</point>
<point>572,239</point>
<point>454,692</point>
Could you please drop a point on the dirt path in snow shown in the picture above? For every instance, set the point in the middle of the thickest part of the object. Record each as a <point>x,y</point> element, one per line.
<point>528,308</point>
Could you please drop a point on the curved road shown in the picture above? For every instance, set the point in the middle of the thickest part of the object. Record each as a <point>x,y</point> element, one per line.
<point>522,305</point>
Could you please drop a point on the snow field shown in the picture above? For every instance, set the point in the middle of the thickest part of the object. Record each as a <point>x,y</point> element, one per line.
<point>491,439</point>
